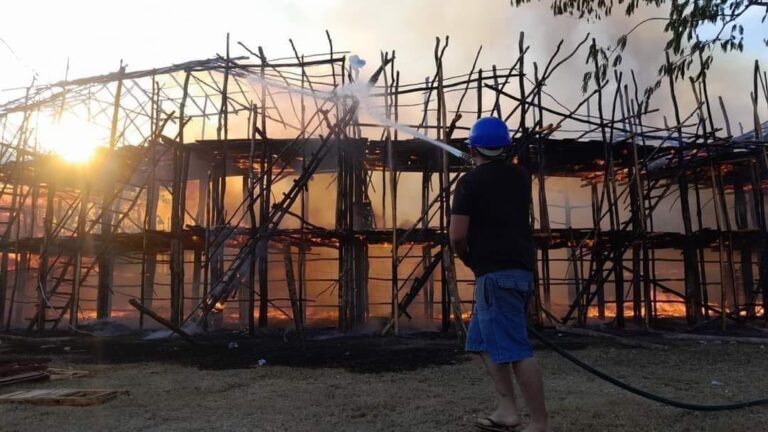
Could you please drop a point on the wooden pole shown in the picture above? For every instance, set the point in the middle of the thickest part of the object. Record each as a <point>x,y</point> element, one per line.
<point>250,187</point>
<point>394,258</point>
<point>544,224</point>
<point>598,209</point>
<point>521,81</point>
<point>106,260</point>
<point>265,186</point>
<point>42,279</point>
<point>14,208</point>
<point>291,283</point>
<point>721,245</point>
<point>81,220</point>
<point>178,212</point>
<point>692,300</point>
<point>149,260</point>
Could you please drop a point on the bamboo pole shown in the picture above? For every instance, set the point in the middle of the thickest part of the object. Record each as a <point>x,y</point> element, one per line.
<point>395,246</point>
<point>291,283</point>
<point>148,261</point>
<point>106,261</point>
<point>76,283</point>
<point>251,281</point>
<point>265,186</point>
<point>544,224</point>
<point>693,311</point>
<point>721,245</point>
<point>178,210</point>
<point>42,278</point>
<point>521,82</point>
<point>6,235</point>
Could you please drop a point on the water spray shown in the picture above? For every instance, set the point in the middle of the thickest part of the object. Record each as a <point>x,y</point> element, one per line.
<point>360,90</point>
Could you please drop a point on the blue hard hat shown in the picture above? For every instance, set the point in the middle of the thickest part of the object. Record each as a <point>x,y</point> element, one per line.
<point>489,133</point>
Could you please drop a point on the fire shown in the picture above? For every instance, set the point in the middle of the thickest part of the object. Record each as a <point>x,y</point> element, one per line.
<point>87,315</point>
<point>666,305</point>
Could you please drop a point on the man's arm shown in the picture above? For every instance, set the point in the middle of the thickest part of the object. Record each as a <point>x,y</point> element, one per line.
<point>458,236</point>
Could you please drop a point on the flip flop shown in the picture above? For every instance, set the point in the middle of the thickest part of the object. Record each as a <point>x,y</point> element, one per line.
<point>487,424</point>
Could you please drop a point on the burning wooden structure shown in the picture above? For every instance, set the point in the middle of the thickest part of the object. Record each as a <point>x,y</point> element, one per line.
<point>255,189</point>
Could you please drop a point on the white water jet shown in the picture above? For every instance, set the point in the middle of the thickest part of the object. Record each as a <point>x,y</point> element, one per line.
<point>360,90</point>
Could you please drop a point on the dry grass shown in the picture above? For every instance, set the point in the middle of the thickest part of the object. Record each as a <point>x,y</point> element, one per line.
<point>172,397</point>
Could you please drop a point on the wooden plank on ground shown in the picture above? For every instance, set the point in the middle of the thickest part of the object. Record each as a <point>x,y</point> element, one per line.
<point>716,338</point>
<point>10,369</point>
<point>69,397</point>
<point>24,377</point>
<point>61,374</point>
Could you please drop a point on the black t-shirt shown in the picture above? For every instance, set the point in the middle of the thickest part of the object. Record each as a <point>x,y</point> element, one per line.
<point>496,196</point>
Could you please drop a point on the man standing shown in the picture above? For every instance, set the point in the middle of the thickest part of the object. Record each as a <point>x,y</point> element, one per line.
<point>490,232</point>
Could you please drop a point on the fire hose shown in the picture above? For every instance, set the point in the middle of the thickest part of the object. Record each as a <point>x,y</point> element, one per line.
<point>642,393</point>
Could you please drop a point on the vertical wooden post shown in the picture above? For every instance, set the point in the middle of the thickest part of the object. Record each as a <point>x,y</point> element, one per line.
<point>265,187</point>
<point>291,284</point>
<point>574,253</point>
<point>263,246</point>
<point>636,209</point>
<point>20,284</point>
<point>4,281</point>
<point>303,288</point>
<point>208,275</point>
<point>358,221</point>
<point>479,93</point>
<point>81,220</point>
<point>394,259</point>
<point>303,245</point>
<point>149,259</point>
<point>759,217</point>
<point>521,81</point>
<point>106,260</point>
<point>721,245</point>
<point>544,224</point>
<point>745,250</point>
<point>197,264</point>
<point>426,251</point>
<point>597,203</point>
<point>6,235</point>
<point>178,206</point>
<point>245,291</point>
<point>342,200</point>
<point>730,267</point>
<point>700,249</point>
<point>250,186</point>
<point>692,297</point>
<point>596,259</point>
<point>755,95</point>
<point>42,278</point>
<point>21,275</point>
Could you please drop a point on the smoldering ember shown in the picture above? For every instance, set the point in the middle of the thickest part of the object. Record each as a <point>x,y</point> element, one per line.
<point>265,239</point>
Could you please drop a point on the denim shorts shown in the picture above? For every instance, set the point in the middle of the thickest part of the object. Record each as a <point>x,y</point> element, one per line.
<point>498,324</point>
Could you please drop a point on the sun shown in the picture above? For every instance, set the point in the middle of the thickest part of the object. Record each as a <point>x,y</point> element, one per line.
<point>70,137</point>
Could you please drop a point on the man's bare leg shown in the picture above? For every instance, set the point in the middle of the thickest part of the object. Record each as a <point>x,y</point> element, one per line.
<point>506,412</point>
<point>529,378</point>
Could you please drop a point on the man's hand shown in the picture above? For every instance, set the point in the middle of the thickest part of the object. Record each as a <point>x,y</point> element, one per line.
<point>457,233</point>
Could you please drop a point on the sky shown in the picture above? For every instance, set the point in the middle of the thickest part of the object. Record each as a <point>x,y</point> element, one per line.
<point>41,37</point>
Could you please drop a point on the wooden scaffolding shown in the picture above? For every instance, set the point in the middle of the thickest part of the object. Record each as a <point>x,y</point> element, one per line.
<point>197,205</point>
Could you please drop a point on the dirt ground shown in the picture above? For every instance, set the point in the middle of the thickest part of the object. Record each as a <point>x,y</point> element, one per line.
<point>421,382</point>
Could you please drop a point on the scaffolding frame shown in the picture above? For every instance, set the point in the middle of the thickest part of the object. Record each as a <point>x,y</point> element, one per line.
<point>66,227</point>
